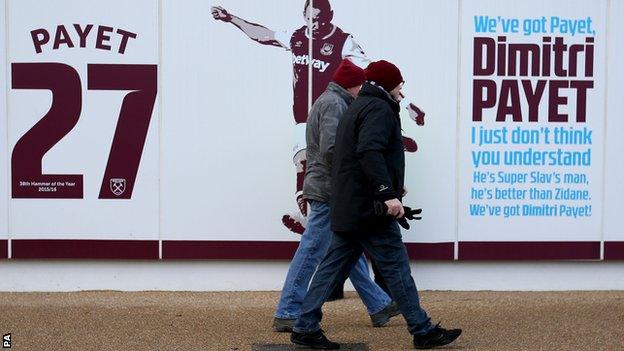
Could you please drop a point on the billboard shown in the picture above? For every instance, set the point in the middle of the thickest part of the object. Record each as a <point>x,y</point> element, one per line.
<point>175,129</point>
<point>83,129</point>
<point>241,161</point>
<point>531,130</point>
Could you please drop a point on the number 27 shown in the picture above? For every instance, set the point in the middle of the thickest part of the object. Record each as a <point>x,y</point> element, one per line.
<point>63,81</point>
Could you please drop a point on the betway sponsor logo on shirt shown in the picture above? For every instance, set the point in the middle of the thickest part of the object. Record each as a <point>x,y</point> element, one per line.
<point>305,59</point>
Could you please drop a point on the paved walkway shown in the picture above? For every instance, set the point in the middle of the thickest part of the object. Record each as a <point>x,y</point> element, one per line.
<point>235,320</point>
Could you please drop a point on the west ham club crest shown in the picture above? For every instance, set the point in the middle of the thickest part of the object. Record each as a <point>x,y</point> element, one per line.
<point>117,186</point>
<point>327,49</point>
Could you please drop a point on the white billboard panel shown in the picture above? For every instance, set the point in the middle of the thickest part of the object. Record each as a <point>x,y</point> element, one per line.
<point>83,119</point>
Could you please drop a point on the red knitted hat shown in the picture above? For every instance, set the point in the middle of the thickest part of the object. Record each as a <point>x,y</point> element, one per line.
<point>349,75</point>
<point>385,74</point>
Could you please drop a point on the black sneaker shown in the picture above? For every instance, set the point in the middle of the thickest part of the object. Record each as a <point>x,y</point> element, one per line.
<point>282,325</point>
<point>316,340</point>
<point>437,336</point>
<point>382,317</point>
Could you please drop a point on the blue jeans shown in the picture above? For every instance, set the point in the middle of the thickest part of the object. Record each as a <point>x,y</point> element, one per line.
<point>387,250</point>
<point>313,246</point>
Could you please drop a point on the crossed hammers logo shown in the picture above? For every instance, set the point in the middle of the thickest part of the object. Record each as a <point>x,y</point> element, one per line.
<point>118,186</point>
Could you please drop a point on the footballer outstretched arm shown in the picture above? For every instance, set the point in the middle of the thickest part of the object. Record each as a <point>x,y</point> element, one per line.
<point>254,31</point>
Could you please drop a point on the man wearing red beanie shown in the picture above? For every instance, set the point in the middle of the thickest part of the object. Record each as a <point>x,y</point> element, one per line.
<point>320,136</point>
<point>384,74</point>
<point>368,172</point>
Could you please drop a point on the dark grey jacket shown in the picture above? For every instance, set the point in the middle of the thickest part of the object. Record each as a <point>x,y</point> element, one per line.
<point>320,136</point>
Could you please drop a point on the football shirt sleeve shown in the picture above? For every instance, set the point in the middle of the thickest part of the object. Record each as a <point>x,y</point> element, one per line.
<point>353,51</point>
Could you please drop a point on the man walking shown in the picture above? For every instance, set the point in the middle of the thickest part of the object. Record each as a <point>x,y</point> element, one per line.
<point>320,136</point>
<point>368,175</point>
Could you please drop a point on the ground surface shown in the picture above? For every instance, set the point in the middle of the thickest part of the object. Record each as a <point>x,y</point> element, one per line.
<point>234,321</point>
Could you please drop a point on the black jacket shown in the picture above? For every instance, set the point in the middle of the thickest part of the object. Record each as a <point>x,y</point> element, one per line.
<point>369,160</point>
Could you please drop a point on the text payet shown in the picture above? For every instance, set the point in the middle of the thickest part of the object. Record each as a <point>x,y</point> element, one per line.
<point>79,37</point>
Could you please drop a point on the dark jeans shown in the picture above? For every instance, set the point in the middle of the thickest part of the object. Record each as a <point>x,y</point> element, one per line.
<point>386,248</point>
<point>379,279</point>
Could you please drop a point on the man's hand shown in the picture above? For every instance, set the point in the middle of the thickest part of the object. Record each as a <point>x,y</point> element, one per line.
<point>395,208</point>
<point>416,114</point>
<point>220,14</point>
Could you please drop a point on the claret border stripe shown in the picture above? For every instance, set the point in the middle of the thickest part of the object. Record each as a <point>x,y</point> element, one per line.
<point>614,250</point>
<point>84,249</point>
<point>261,250</point>
<point>529,250</point>
<point>4,249</point>
<point>284,250</point>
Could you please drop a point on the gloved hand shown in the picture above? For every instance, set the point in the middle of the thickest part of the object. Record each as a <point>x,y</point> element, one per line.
<point>409,214</point>
<point>381,210</point>
<point>220,14</point>
<point>416,114</point>
<point>409,144</point>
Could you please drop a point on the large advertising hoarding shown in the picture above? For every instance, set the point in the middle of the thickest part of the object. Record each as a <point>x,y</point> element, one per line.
<point>175,129</point>
<point>240,96</point>
<point>614,187</point>
<point>531,130</point>
<point>83,128</point>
